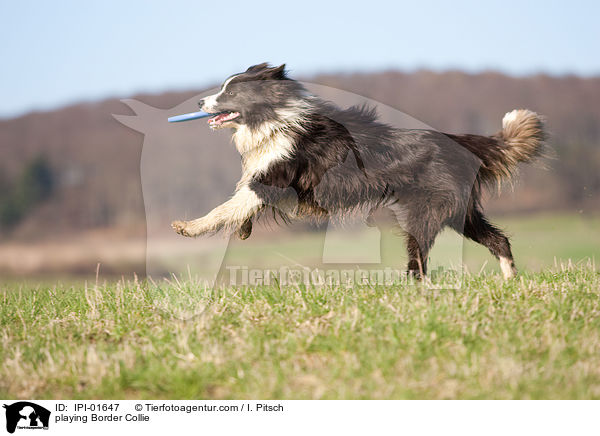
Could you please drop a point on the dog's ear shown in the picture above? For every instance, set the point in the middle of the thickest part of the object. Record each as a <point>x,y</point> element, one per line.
<point>265,72</point>
<point>257,68</point>
<point>277,73</point>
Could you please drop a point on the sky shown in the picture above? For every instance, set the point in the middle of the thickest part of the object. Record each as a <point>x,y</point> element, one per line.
<point>59,52</point>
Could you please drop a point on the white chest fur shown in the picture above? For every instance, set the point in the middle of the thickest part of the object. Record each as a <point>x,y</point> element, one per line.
<point>261,147</point>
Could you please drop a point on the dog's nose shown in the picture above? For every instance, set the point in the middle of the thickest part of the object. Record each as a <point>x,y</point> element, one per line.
<point>200,104</point>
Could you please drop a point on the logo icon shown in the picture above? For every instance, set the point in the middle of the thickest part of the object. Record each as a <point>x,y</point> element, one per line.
<point>26,415</point>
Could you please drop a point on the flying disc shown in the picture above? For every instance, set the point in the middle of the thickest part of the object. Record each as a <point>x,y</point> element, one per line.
<point>189,117</point>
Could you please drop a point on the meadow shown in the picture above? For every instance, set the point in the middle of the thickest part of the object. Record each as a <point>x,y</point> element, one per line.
<point>536,336</point>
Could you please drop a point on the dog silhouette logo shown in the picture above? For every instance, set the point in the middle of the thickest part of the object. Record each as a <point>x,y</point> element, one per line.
<point>185,170</point>
<point>26,415</point>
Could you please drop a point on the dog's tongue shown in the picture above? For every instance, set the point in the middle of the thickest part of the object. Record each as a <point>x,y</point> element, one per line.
<point>220,118</point>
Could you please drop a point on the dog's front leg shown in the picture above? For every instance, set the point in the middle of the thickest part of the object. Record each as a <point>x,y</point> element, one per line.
<point>229,216</point>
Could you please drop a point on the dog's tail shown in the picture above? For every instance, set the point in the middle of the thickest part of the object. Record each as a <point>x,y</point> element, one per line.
<point>520,140</point>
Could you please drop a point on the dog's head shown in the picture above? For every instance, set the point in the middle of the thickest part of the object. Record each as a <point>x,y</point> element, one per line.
<point>252,97</point>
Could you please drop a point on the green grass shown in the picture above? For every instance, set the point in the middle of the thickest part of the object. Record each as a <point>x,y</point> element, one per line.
<point>536,336</point>
<point>537,240</point>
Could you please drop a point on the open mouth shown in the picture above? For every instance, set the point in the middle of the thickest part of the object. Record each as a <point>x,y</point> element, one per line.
<point>221,118</point>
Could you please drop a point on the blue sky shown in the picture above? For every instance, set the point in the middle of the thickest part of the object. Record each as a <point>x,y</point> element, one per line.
<point>59,52</point>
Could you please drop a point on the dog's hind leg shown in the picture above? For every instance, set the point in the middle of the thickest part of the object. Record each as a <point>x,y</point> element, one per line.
<point>420,228</point>
<point>417,257</point>
<point>418,244</point>
<point>477,228</point>
<point>421,233</point>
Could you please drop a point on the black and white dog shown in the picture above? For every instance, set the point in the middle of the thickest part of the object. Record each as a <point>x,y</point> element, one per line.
<point>298,149</point>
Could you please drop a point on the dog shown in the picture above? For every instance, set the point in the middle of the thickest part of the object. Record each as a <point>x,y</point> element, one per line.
<point>295,149</point>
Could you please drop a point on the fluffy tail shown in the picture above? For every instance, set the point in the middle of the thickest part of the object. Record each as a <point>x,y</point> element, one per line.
<point>520,140</point>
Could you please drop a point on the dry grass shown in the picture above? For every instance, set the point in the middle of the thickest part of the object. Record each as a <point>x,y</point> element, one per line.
<point>537,336</point>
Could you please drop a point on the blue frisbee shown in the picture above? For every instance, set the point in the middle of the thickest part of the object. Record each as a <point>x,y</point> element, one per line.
<point>189,117</point>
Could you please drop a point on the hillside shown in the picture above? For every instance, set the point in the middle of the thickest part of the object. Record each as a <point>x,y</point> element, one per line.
<point>95,160</point>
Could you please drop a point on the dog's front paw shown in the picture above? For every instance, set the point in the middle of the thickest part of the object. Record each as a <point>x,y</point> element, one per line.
<point>245,230</point>
<point>182,227</point>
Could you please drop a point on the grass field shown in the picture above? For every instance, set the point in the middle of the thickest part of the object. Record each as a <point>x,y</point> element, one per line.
<point>537,241</point>
<point>536,336</point>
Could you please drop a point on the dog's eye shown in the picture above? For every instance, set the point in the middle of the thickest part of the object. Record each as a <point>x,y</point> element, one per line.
<point>229,92</point>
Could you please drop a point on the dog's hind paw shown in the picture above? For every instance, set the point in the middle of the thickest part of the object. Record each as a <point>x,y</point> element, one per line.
<point>181,227</point>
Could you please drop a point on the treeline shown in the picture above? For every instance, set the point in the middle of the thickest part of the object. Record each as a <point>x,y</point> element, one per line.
<point>578,164</point>
<point>97,159</point>
<point>19,197</point>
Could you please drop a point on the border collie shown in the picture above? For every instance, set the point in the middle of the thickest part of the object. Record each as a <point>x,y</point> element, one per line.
<point>298,149</point>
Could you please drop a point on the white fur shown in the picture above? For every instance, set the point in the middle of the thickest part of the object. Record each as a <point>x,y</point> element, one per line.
<point>510,117</point>
<point>507,267</point>
<point>259,148</point>
<point>269,143</point>
<point>230,215</point>
<point>256,160</point>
